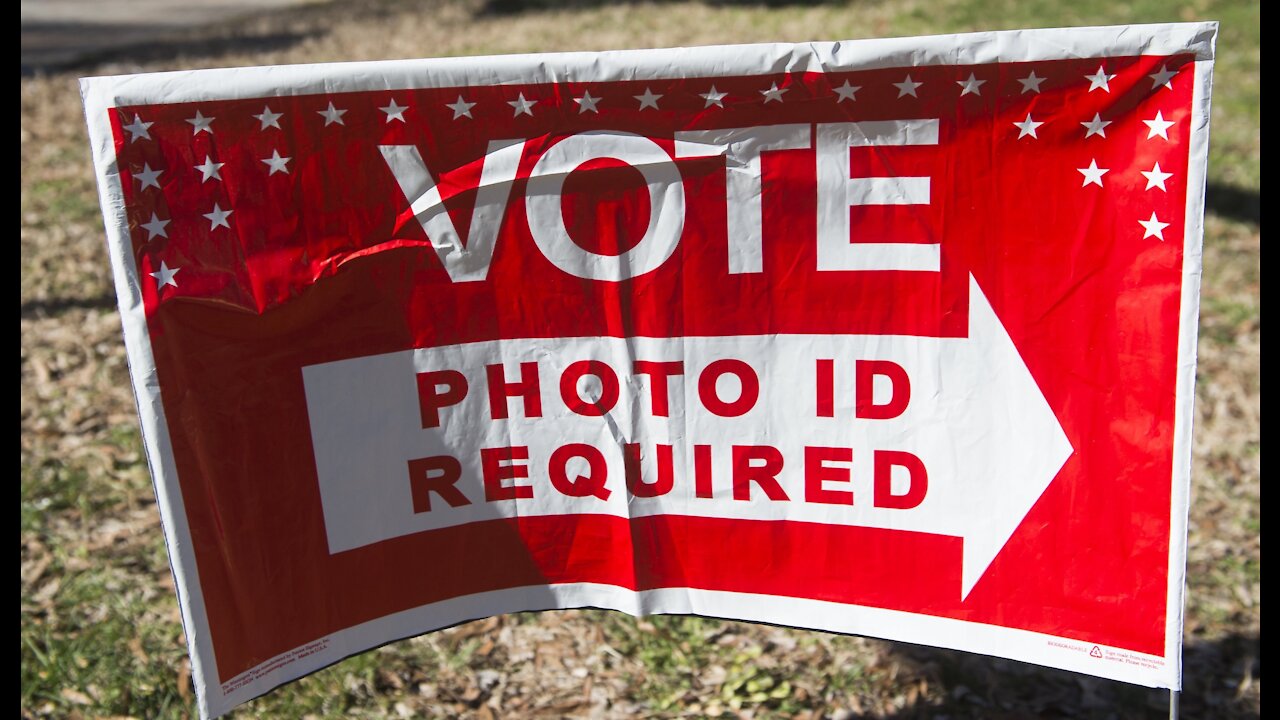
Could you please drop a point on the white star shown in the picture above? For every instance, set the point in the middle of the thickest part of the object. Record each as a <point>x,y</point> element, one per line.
<point>394,111</point>
<point>773,93</point>
<point>1093,173</point>
<point>1028,127</point>
<point>1031,83</point>
<point>268,118</point>
<point>586,102</point>
<point>972,85</point>
<point>461,108</point>
<point>713,97</point>
<point>210,169</point>
<point>277,163</point>
<point>138,129</point>
<point>906,87</point>
<point>847,91</point>
<point>155,227</point>
<point>332,115</point>
<point>1099,80</point>
<point>218,217</point>
<point>1096,126</point>
<point>1159,126</point>
<point>200,123</point>
<point>1156,178</point>
<point>1153,227</point>
<point>164,276</point>
<point>648,99</point>
<point>1163,76</point>
<point>148,177</point>
<point>522,106</point>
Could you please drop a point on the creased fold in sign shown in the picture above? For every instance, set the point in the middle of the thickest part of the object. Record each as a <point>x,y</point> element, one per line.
<point>888,337</point>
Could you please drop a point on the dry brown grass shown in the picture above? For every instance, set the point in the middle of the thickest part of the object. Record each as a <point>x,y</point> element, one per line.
<point>100,628</point>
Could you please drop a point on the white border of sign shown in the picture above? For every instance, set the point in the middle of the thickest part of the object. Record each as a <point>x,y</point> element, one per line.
<point>100,94</point>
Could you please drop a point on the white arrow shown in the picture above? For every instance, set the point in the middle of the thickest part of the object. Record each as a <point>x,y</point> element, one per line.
<point>1009,443</point>
<point>1025,444</point>
<point>976,420</point>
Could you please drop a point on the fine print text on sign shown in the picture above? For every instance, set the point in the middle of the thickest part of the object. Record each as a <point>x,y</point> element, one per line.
<point>889,337</point>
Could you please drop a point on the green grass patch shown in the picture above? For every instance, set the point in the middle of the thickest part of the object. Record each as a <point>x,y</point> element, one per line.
<point>88,649</point>
<point>59,200</point>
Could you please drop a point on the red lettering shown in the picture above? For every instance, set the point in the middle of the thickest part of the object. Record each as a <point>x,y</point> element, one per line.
<point>608,387</point>
<point>765,474</point>
<point>816,472</point>
<point>491,463</point>
<point>702,470</point>
<point>431,399</point>
<point>746,376</point>
<point>422,482</point>
<point>590,485</point>
<point>658,373</point>
<point>826,388</point>
<point>885,461</point>
<point>866,407</point>
<point>635,481</point>
<point>526,389</point>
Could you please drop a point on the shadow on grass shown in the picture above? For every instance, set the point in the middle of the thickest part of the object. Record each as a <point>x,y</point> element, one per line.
<point>1220,680</point>
<point>51,307</point>
<point>61,46</point>
<point>512,7</point>
<point>1234,203</point>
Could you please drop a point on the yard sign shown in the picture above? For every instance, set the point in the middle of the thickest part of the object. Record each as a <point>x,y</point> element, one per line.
<point>886,337</point>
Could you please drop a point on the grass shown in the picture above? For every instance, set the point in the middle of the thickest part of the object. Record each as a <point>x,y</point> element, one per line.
<point>101,635</point>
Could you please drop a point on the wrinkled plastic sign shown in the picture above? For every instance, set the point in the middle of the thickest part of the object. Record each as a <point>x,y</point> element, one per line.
<point>888,337</point>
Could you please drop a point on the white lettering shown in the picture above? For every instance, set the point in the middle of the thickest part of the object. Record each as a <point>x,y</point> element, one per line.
<point>837,192</point>
<point>666,205</point>
<point>741,148</point>
<point>464,261</point>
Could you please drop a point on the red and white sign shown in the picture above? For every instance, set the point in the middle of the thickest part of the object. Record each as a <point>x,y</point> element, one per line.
<point>889,337</point>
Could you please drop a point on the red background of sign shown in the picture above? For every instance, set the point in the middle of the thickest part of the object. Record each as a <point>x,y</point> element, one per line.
<point>325,263</point>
